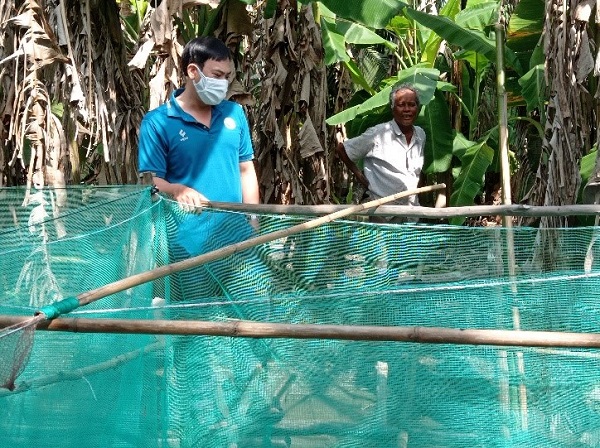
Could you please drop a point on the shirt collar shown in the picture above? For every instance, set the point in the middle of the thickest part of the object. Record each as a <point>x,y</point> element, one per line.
<point>173,107</point>
<point>175,110</point>
<point>398,132</point>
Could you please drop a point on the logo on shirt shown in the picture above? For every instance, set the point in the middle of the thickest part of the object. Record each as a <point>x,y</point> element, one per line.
<point>229,123</point>
<point>183,135</point>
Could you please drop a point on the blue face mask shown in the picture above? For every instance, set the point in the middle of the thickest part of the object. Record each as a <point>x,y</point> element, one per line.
<point>211,91</point>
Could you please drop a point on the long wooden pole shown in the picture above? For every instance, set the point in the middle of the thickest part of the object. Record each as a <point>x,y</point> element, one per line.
<point>507,198</point>
<point>415,211</point>
<point>502,113</point>
<point>250,329</point>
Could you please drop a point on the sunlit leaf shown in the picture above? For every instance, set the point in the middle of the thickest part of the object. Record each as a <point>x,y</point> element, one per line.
<point>478,17</point>
<point>334,42</point>
<point>475,162</point>
<point>360,35</point>
<point>588,163</point>
<point>534,87</point>
<point>524,33</point>
<point>525,25</point>
<point>432,46</point>
<point>460,144</point>
<point>437,125</point>
<point>465,39</point>
<point>372,13</point>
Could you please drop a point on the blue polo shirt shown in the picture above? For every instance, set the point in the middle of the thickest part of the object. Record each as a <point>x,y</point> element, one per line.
<point>177,148</point>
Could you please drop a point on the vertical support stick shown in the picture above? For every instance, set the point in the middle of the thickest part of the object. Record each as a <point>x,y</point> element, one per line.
<point>503,127</point>
<point>507,198</point>
<point>503,146</point>
<point>382,392</point>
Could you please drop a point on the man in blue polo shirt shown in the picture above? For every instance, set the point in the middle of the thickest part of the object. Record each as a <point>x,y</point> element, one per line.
<point>198,148</point>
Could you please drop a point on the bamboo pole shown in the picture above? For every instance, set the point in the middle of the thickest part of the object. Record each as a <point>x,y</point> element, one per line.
<point>414,211</point>
<point>507,197</point>
<point>251,329</point>
<point>503,142</point>
<point>82,372</point>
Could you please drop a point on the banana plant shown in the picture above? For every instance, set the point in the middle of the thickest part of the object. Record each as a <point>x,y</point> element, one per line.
<point>372,101</point>
<point>524,36</point>
<point>338,34</point>
<point>468,33</point>
<point>464,34</point>
<point>132,19</point>
<point>476,158</point>
<point>435,116</point>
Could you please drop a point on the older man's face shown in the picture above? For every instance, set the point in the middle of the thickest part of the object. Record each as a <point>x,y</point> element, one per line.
<point>405,109</point>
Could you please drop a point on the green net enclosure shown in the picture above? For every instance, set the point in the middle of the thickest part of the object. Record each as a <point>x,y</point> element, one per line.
<point>106,389</point>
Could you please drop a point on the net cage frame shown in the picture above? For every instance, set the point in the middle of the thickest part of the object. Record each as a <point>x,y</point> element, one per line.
<point>370,412</point>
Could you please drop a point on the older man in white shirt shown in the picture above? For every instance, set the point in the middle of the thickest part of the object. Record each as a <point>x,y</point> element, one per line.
<point>392,152</point>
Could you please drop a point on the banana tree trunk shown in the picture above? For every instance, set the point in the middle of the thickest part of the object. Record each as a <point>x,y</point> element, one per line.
<point>289,120</point>
<point>569,61</point>
<point>71,104</point>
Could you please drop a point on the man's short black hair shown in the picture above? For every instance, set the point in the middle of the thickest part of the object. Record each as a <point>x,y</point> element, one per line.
<point>200,49</point>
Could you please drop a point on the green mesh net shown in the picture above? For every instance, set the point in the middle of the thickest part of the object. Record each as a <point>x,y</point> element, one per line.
<point>139,390</point>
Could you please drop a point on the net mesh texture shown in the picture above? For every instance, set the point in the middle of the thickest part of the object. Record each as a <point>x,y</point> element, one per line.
<point>120,390</point>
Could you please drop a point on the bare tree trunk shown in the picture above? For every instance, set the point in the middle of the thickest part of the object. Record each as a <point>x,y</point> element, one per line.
<point>289,120</point>
<point>569,60</point>
<point>70,105</point>
<point>111,91</point>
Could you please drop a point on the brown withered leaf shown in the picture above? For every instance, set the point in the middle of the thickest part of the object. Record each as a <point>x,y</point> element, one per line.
<point>238,94</point>
<point>140,60</point>
<point>309,141</point>
<point>238,19</point>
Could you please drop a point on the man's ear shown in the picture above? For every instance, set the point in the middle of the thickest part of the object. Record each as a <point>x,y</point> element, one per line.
<point>192,70</point>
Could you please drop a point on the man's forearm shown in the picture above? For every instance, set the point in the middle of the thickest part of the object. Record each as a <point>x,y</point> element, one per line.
<point>250,192</point>
<point>341,152</point>
<point>164,186</point>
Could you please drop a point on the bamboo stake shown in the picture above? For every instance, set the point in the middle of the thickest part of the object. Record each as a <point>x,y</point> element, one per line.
<point>507,198</point>
<point>73,375</point>
<point>251,329</point>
